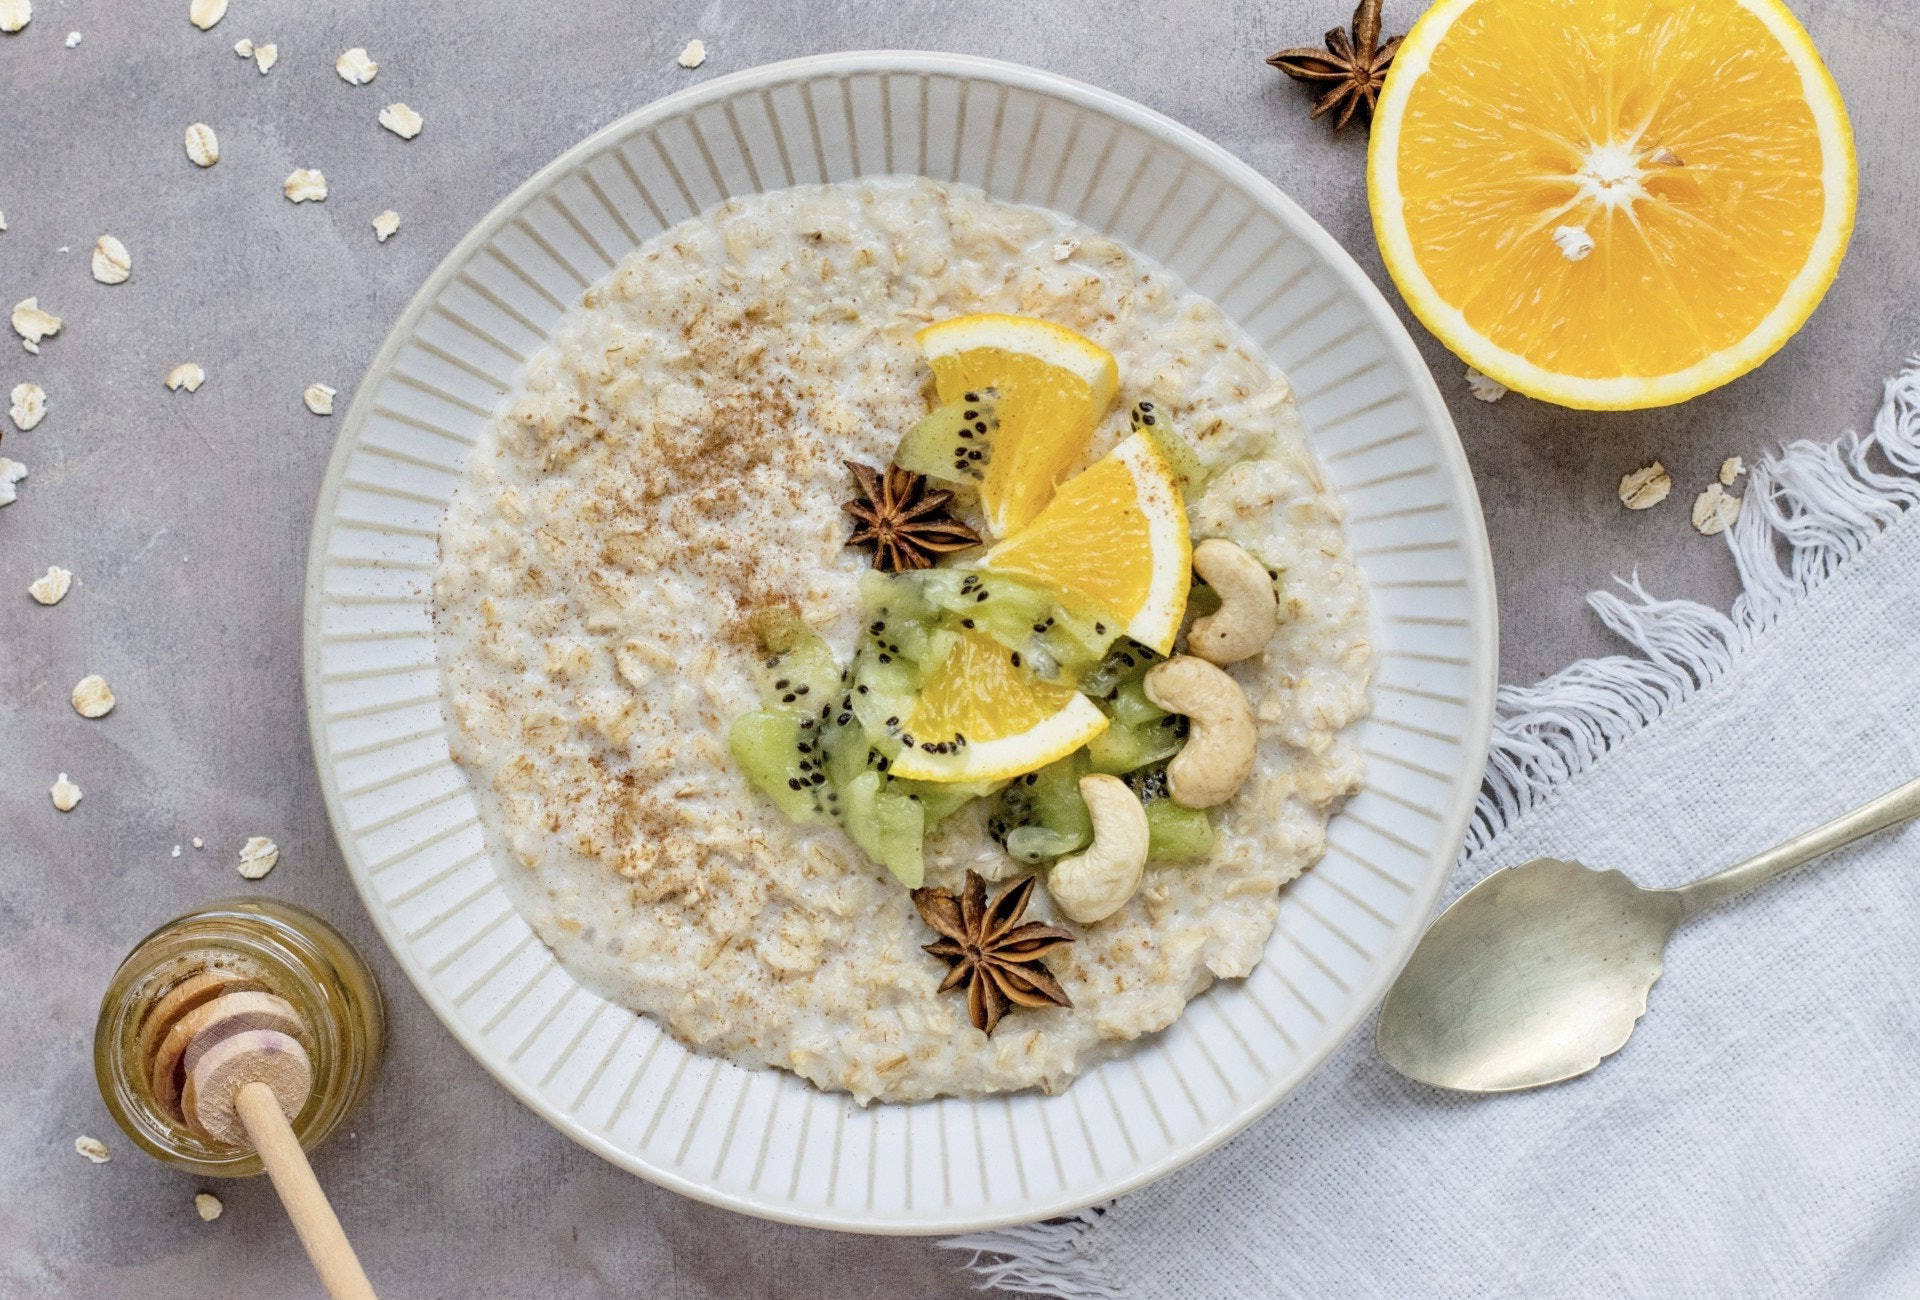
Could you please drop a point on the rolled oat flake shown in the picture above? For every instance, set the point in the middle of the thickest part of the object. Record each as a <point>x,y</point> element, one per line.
<point>202,145</point>
<point>112,263</point>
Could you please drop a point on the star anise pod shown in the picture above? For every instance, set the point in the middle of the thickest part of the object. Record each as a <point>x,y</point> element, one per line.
<point>990,951</point>
<point>903,522</point>
<point>1348,73</point>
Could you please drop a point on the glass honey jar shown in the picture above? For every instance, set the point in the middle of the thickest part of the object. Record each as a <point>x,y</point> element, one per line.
<point>238,944</point>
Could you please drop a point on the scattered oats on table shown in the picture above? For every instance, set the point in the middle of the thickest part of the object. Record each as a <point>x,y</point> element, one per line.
<point>11,472</point>
<point>205,13</point>
<point>29,405</point>
<point>92,697</point>
<point>175,853</point>
<point>694,55</point>
<point>207,1206</point>
<point>355,68</point>
<point>305,184</point>
<point>1485,388</point>
<point>319,399</point>
<point>258,856</point>
<point>15,14</point>
<point>1730,469</point>
<point>265,56</point>
<point>66,795</point>
<point>386,225</point>
<point>1646,487</point>
<point>1715,510</point>
<point>401,120</point>
<point>187,375</point>
<point>33,324</point>
<point>203,146</point>
<point>112,263</point>
<point>199,843</point>
<point>73,40</point>
<point>243,47</point>
<point>93,1149</point>
<point>50,588</point>
<point>3,221</point>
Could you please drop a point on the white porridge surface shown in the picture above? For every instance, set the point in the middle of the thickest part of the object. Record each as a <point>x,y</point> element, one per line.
<point>671,466</point>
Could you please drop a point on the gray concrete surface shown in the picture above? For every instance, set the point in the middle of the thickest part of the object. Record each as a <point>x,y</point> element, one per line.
<point>185,520</point>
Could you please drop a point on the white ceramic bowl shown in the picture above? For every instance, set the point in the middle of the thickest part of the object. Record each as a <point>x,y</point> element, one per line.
<point>762,1141</point>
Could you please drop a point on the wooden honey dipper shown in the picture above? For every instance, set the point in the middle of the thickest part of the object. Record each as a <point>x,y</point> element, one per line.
<point>228,1060</point>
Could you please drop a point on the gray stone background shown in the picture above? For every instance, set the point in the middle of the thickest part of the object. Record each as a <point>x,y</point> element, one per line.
<point>185,520</point>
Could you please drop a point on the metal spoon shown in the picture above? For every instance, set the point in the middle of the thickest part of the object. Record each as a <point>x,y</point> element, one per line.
<point>1537,973</point>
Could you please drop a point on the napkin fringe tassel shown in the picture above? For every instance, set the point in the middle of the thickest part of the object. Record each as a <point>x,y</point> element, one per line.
<point>1807,510</point>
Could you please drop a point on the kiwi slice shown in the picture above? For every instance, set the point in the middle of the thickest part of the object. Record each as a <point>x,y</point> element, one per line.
<point>766,744</point>
<point>1125,662</point>
<point>1041,815</point>
<point>798,670</point>
<point>1126,746</point>
<point>943,799</point>
<point>1174,833</point>
<point>954,442</point>
<point>1151,419</point>
<point>887,825</point>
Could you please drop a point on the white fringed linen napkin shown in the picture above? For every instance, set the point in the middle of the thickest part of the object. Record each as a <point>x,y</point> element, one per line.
<point>1760,1133</point>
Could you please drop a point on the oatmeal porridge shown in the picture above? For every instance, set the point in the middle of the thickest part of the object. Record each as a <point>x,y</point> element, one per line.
<point>671,472</point>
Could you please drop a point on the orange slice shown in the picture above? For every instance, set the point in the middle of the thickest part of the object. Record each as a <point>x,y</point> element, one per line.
<point>1114,542</point>
<point>982,716</point>
<point>1054,388</point>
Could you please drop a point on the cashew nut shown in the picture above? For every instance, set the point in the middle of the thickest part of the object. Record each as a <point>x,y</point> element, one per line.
<point>1093,885</point>
<point>1218,754</point>
<point>1249,610</point>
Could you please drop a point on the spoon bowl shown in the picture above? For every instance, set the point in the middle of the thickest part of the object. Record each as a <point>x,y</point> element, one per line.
<point>1540,972</point>
<point>1532,976</point>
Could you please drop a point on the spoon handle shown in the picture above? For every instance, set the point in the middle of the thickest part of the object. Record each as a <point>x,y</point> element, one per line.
<point>1895,806</point>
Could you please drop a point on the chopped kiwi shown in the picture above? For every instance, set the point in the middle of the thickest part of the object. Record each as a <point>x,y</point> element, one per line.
<point>1126,661</point>
<point>1130,706</point>
<point>1174,833</point>
<point>942,799</point>
<point>901,646</point>
<point>781,746</point>
<point>822,745</point>
<point>1177,834</point>
<point>1152,420</point>
<point>798,671</point>
<point>1201,600</point>
<point>844,743</point>
<point>1148,783</point>
<point>903,624</point>
<point>1125,746</point>
<point>1034,844</point>
<point>1041,815</point>
<point>883,695</point>
<point>898,593</point>
<point>953,442</point>
<point>887,825</point>
<point>766,745</point>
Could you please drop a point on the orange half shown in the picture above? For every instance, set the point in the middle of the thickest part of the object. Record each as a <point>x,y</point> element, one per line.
<point>1611,203</point>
